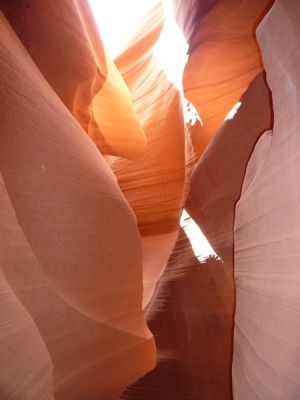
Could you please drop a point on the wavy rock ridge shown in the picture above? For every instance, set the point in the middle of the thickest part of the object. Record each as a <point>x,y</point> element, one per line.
<point>102,295</point>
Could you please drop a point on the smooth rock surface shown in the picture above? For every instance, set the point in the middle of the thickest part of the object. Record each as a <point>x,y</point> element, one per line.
<point>72,251</point>
<point>190,316</point>
<point>87,241</point>
<point>217,179</point>
<point>224,59</point>
<point>191,312</point>
<point>266,363</point>
<point>63,40</point>
<point>154,185</point>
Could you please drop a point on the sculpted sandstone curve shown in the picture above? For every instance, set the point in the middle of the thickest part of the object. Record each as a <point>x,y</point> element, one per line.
<point>224,58</point>
<point>96,158</point>
<point>76,65</point>
<point>266,362</point>
<point>154,185</point>
<point>72,251</point>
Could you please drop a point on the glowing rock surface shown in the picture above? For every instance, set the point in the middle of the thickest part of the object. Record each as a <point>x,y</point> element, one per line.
<point>224,59</point>
<point>63,41</point>
<point>98,159</point>
<point>191,312</point>
<point>72,251</point>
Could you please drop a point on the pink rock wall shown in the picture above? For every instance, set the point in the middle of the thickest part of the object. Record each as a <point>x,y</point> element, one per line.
<point>63,40</point>
<point>266,362</point>
<point>190,316</point>
<point>217,179</point>
<point>191,312</point>
<point>87,242</point>
<point>72,253</point>
<point>155,185</point>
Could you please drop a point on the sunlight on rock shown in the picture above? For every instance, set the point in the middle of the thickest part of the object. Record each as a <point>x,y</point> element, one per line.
<point>233,111</point>
<point>201,246</point>
<point>190,113</point>
<point>119,20</point>
<point>171,49</point>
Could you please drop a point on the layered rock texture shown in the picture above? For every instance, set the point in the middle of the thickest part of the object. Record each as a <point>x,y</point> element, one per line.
<point>103,295</point>
<point>266,361</point>
<point>72,253</point>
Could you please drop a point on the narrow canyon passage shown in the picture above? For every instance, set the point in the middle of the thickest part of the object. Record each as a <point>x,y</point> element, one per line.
<point>149,198</point>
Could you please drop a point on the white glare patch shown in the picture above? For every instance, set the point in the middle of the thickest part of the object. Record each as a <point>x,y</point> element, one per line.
<point>233,111</point>
<point>201,246</point>
<point>171,49</point>
<point>190,113</point>
<point>118,21</point>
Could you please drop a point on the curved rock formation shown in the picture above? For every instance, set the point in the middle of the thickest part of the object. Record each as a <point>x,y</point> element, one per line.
<point>224,59</point>
<point>217,180</point>
<point>191,312</point>
<point>72,251</point>
<point>154,185</point>
<point>190,316</point>
<point>96,161</point>
<point>189,14</point>
<point>63,41</point>
<point>28,368</point>
<point>266,362</point>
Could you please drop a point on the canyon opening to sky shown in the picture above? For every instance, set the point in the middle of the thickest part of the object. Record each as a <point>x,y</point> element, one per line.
<point>149,200</point>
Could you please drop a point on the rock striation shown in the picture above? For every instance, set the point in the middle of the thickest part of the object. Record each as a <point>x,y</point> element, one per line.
<point>72,254</point>
<point>266,361</point>
<point>63,40</point>
<point>224,58</point>
<point>102,294</point>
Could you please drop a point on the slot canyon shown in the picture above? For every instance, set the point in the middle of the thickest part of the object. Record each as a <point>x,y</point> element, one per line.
<point>149,207</point>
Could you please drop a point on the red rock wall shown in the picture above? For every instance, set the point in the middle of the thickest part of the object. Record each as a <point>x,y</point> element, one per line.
<point>224,59</point>
<point>87,242</point>
<point>70,248</point>
<point>154,185</point>
<point>64,42</point>
<point>217,180</point>
<point>191,312</point>
<point>190,316</point>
